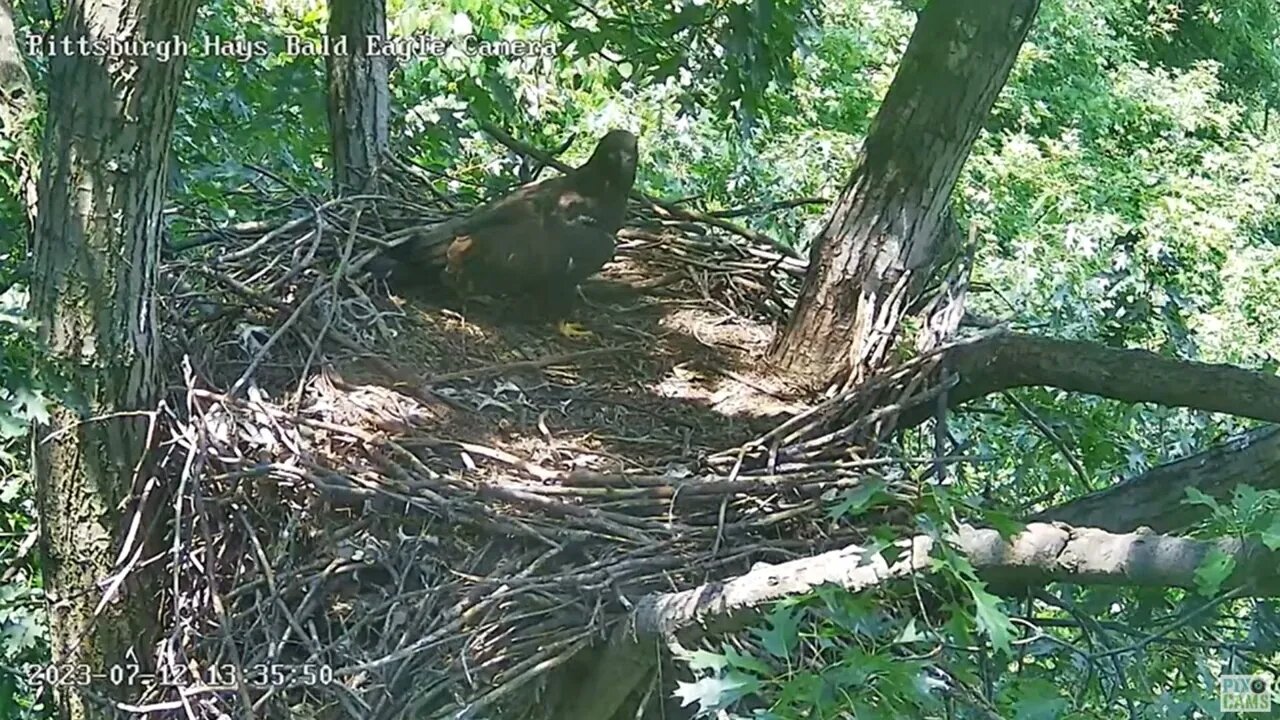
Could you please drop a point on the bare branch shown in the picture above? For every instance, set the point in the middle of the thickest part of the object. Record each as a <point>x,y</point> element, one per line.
<point>1016,360</point>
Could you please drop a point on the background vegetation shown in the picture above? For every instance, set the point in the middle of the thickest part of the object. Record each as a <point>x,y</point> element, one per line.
<point>1125,191</point>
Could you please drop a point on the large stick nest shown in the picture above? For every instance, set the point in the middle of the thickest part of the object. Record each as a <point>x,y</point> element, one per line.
<point>440,507</point>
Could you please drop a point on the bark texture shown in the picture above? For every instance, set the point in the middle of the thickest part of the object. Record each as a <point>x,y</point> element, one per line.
<point>97,245</point>
<point>888,226</point>
<point>1155,498</point>
<point>359,98</point>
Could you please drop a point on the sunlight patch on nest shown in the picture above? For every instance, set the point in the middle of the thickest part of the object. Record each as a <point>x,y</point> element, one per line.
<point>741,383</point>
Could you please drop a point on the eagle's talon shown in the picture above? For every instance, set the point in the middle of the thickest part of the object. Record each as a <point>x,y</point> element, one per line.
<point>573,331</point>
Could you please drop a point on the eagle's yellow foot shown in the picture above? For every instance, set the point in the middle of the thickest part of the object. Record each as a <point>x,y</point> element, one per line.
<point>573,331</point>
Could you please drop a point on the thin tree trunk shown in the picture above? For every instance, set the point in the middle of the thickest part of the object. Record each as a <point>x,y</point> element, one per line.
<point>97,244</point>
<point>17,111</point>
<point>359,98</point>
<point>889,226</point>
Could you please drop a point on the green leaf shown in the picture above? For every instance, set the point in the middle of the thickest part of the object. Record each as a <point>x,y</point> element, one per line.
<point>1271,536</point>
<point>716,693</point>
<point>1038,700</point>
<point>20,634</point>
<point>704,660</point>
<point>1214,570</point>
<point>782,634</point>
<point>31,405</point>
<point>991,620</point>
<point>1198,497</point>
<point>11,426</point>
<point>910,634</point>
<point>749,663</point>
<point>10,486</point>
<point>855,501</point>
<point>1247,503</point>
<point>1004,523</point>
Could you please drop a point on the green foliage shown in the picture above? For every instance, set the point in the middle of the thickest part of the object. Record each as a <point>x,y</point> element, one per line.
<point>857,647</point>
<point>22,619</point>
<point>1250,514</point>
<point>21,401</point>
<point>238,115</point>
<point>854,502</point>
<point>1239,34</point>
<point>1124,193</point>
<point>660,69</point>
<point>734,56</point>
<point>1127,201</point>
<point>23,642</point>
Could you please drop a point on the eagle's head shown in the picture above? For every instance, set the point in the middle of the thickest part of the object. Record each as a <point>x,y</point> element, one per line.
<point>614,159</point>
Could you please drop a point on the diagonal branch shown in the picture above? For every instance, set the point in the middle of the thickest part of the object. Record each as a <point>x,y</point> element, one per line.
<point>1015,360</point>
<point>1155,498</point>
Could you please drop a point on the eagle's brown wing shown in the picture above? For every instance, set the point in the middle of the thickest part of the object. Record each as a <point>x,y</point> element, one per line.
<point>520,207</point>
<point>430,249</point>
<point>508,259</point>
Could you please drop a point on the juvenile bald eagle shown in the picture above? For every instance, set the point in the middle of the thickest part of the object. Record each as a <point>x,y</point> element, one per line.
<point>541,241</point>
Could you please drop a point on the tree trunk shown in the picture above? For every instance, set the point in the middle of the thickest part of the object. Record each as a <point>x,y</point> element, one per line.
<point>17,111</point>
<point>889,225</point>
<point>97,248</point>
<point>359,98</point>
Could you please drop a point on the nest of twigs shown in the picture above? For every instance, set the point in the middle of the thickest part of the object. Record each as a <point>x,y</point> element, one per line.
<point>416,511</point>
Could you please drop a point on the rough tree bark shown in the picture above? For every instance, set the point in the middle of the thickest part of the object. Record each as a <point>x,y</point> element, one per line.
<point>1155,498</point>
<point>1014,360</point>
<point>1130,375</point>
<point>359,98</point>
<point>97,248</point>
<point>888,225</point>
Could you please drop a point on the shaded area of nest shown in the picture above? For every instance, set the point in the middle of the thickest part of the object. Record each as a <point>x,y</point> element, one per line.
<point>437,507</point>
